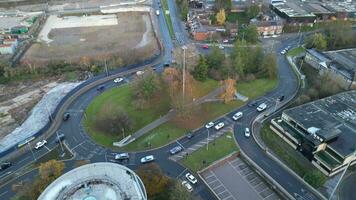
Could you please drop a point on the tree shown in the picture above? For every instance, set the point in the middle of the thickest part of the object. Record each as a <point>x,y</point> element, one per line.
<point>339,34</point>
<point>222,4</point>
<point>229,90</point>
<point>200,72</point>
<point>220,17</point>
<point>112,119</point>
<point>51,170</point>
<point>147,85</point>
<point>179,192</point>
<point>250,34</point>
<point>317,41</point>
<point>253,11</point>
<point>215,58</point>
<point>270,64</point>
<point>152,177</point>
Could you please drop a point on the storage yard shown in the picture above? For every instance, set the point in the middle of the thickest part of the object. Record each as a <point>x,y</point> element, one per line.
<point>97,37</point>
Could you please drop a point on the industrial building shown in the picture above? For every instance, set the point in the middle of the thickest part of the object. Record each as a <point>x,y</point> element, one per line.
<point>8,46</point>
<point>340,64</point>
<point>96,181</point>
<point>324,131</point>
<point>308,12</point>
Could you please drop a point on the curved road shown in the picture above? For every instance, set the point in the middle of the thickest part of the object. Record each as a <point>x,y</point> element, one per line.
<point>84,148</point>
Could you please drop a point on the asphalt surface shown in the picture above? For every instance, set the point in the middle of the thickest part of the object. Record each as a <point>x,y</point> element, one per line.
<point>84,148</point>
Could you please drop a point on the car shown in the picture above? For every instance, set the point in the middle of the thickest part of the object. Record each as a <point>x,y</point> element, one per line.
<point>187,185</point>
<point>219,126</point>
<point>66,116</point>
<point>274,36</point>
<point>100,87</point>
<point>147,159</point>
<point>266,36</point>
<point>40,144</point>
<point>59,137</point>
<point>139,73</point>
<point>118,80</point>
<point>237,116</point>
<point>190,135</point>
<point>225,41</point>
<point>280,98</point>
<point>266,114</point>
<point>261,107</point>
<point>175,150</point>
<point>247,132</point>
<point>122,156</point>
<point>252,104</point>
<point>5,165</point>
<point>209,125</point>
<point>283,52</point>
<point>205,46</point>
<point>221,47</point>
<point>191,178</point>
<point>166,65</point>
<point>157,12</point>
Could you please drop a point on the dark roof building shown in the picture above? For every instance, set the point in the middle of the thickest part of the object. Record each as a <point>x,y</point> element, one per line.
<point>323,130</point>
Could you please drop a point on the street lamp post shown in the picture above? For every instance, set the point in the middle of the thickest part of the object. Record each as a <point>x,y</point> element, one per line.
<point>29,146</point>
<point>207,141</point>
<point>59,140</point>
<point>184,48</point>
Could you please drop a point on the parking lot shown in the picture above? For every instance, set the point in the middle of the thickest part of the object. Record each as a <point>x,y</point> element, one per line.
<point>232,179</point>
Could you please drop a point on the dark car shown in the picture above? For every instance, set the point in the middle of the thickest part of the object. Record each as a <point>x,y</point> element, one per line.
<point>100,87</point>
<point>166,65</point>
<point>281,98</point>
<point>190,135</point>
<point>66,116</point>
<point>5,165</point>
<point>252,104</point>
<point>60,137</point>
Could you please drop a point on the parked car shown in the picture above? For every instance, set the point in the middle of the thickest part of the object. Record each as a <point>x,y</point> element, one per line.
<point>100,87</point>
<point>209,125</point>
<point>139,73</point>
<point>59,137</point>
<point>187,186</point>
<point>261,107</point>
<point>190,135</point>
<point>191,178</point>
<point>237,116</point>
<point>281,98</point>
<point>247,132</point>
<point>283,52</point>
<point>205,46</point>
<point>252,104</point>
<point>221,47</point>
<point>219,126</point>
<point>157,12</point>
<point>40,144</point>
<point>175,150</point>
<point>225,41</point>
<point>122,156</point>
<point>147,159</point>
<point>66,116</point>
<point>5,165</point>
<point>118,80</point>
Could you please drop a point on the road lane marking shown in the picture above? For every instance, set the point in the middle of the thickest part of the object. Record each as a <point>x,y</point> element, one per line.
<point>77,145</point>
<point>4,193</point>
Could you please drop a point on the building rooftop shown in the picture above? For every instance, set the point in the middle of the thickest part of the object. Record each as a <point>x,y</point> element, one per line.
<point>329,118</point>
<point>96,181</point>
<point>293,9</point>
<point>346,58</point>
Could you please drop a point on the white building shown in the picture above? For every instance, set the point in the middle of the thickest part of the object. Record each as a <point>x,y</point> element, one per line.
<point>96,181</point>
<point>7,49</point>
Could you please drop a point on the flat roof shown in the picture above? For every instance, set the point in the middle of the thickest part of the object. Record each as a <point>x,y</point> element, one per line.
<point>332,117</point>
<point>293,9</point>
<point>345,57</point>
<point>101,180</point>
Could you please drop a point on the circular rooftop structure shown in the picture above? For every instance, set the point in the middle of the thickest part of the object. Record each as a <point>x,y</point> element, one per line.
<point>97,181</point>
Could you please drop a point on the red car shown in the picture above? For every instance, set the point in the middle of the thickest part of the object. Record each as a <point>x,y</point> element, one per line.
<point>205,46</point>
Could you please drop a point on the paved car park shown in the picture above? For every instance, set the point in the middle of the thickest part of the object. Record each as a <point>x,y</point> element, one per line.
<point>233,179</point>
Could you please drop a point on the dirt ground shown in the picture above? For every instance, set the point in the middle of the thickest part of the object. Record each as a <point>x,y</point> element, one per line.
<point>131,38</point>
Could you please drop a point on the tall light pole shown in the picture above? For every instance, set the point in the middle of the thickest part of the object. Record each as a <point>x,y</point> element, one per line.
<point>184,48</point>
<point>29,146</point>
<point>59,140</point>
<point>207,141</point>
<point>342,176</point>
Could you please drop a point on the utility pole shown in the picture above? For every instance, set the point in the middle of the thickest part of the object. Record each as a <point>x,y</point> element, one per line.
<point>184,48</point>
<point>48,112</point>
<point>106,69</point>
<point>207,141</point>
<point>300,35</point>
<point>29,146</point>
<point>59,140</point>
<point>342,176</point>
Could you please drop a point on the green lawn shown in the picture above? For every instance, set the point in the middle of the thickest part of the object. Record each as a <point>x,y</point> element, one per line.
<point>296,51</point>
<point>159,136</point>
<point>294,160</point>
<point>208,112</point>
<point>204,88</point>
<point>217,149</point>
<point>168,18</point>
<point>122,96</point>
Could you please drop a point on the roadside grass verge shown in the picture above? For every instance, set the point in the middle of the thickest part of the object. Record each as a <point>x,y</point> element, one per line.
<point>168,18</point>
<point>217,149</point>
<point>294,160</point>
<point>157,137</point>
<point>296,51</point>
